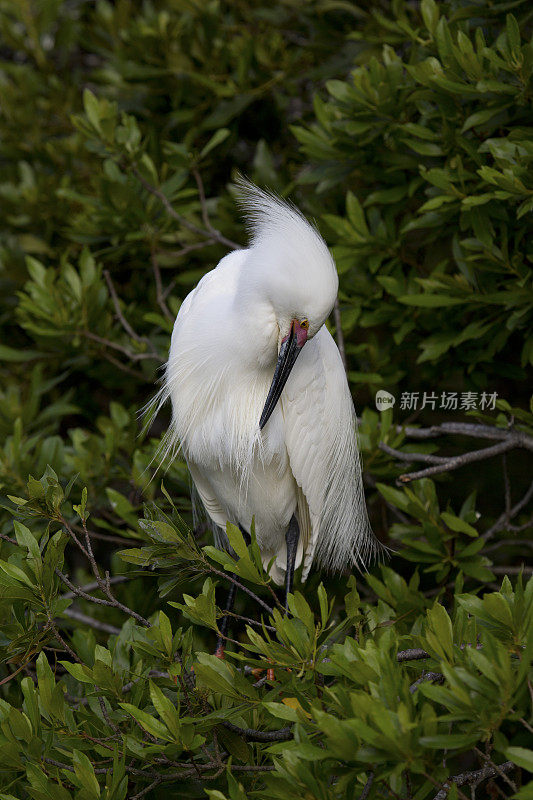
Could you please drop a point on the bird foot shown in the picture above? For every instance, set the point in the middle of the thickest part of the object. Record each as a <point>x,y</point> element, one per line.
<point>258,673</point>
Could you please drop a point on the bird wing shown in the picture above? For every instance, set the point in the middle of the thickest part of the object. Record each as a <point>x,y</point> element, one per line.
<point>321,441</point>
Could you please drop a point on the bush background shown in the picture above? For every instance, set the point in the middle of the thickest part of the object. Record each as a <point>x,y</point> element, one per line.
<point>404,130</point>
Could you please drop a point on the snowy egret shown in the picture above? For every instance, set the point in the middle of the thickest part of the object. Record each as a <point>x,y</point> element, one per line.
<point>260,402</point>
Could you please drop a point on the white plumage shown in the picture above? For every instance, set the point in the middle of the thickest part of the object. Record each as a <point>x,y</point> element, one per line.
<point>224,349</point>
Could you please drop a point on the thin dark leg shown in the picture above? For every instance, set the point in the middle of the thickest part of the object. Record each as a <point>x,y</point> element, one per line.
<point>291,538</point>
<point>230,602</point>
<point>224,622</point>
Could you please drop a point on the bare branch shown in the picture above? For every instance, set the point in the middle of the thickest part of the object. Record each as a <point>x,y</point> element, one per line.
<point>473,777</point>
<point>78,616</point>
<point>524,568</point>
<point>425,458</point>
<point>458,428</point>
<point>504,518</point>
<point>434,677</point>
<point>242,587</point>
<point>249,621</point>
<point>368,785</point>
<point>122,319</point>
<point>124,368</point>
<point>90,587</point>
<point>147,789</point>
<point>188,248</point>
<point>120,348</point>
<point>78,592</point>
<point>411,655</point>
<point>488,761</point>
<point>251,735</point>
<point>512,440</point>
<point>159,286</point>
<point>206,234</point>
<point>338,331</point>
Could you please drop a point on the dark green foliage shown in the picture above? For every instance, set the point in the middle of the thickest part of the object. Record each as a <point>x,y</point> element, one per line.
<point>405,130</point>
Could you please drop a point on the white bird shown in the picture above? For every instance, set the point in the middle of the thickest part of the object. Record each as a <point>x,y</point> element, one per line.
<point>261,407</point>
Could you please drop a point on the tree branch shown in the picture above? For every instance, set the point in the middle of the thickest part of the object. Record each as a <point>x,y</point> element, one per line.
<point>206,234</point>
<point>159,286</point>
<point>434,677</point>
<point>425,458</point>
<point>120,316</point>
<point>504,518</point>
<point>251,735</point>
<point>458,428</point>
<point>78,592</point>
<point>473,777</point>
<point>338,330</point>
<point>78,616</point>
<point>512,440</point>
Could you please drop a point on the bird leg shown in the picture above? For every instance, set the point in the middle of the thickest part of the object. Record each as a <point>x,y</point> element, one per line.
<point>291,538</point>
<point>224,622</point>
<point>230,602</point>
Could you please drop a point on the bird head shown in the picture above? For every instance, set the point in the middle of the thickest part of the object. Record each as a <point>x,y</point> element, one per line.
<point>292,272</point>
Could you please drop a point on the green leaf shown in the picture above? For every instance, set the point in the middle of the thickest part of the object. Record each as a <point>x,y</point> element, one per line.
<point>457,524</point>
<point>146,721</point>
<point>166,710</point>
<point>84,771</point>
<point>217,138</point>
<point>521,756</point>
<point>16,573</point>
<point>439,636</point>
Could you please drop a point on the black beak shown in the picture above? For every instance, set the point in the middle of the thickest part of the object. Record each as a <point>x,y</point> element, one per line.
<point>288,353</point>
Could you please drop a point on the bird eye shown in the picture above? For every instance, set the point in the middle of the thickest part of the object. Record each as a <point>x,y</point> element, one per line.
<point>304,324</point>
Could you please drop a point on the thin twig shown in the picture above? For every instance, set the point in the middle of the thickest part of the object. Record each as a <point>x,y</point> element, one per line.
<point>251,735</point>
<point>159,286</point>
<point>249,621</point>
<point>243,588</point>
<point>368,785</point>
<point>508,570</point>
<point>339,334</point>
<point>183,251</point>
<point>124,367</point>
<point>502,519</point>
<point>473,777</point>
<point>215,234</point>
<point>55,631</point>
<point>122,319</point>
<point>8,539</point>
<point>78,616</point>
<point>90,587</point>
<point>514,439</point>
<point>411,655</point>
<point>488,761</point>
<point>458,428</point>
<point>434,677</point>
<point>119,347</point>
<point>106,537</point>
<point>16,672</point>
<point>78,592</point>
<point>179,218</point>
<point>147,789</point>
<point>425,458</point>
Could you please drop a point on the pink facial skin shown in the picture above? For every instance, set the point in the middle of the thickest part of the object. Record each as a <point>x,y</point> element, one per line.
<point>300,333</point>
